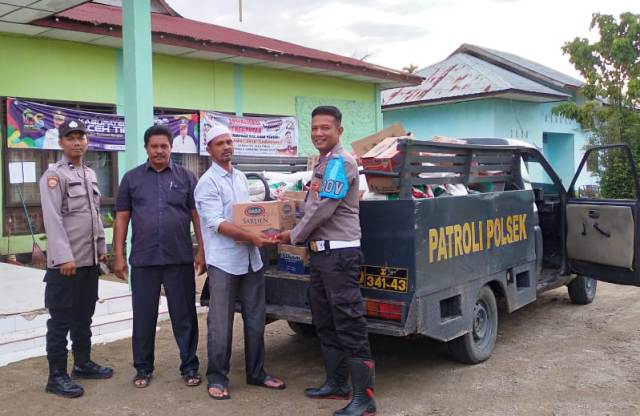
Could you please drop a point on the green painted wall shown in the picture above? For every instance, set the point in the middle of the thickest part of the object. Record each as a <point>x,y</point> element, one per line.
<point>358,120</point>
<point>192,84</point>
<point>299,93</point>
<point>270,91</point>
<point>56,69</point>
<point>61,70</point>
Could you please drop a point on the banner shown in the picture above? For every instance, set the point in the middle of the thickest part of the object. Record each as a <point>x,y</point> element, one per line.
<point>32,125</point>
<point>184,128</point>
<point>254,136</point>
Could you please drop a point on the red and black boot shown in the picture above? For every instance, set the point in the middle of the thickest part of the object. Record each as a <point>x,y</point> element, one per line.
<point>362,378</point>
<point>335,386</point>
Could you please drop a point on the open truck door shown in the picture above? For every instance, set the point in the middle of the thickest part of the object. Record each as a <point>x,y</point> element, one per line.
<point>602,231</point>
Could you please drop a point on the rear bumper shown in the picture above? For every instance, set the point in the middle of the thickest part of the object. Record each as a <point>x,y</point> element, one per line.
<point>287,300</point>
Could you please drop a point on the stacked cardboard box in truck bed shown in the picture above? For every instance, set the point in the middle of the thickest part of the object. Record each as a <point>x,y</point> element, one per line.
<point>362,146</point>
<point>384,157</point>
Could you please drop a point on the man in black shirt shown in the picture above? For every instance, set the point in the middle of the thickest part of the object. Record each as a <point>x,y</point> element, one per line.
<point>157,197</point>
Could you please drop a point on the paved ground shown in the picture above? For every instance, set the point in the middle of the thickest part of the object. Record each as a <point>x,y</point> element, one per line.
<point>552,358</point>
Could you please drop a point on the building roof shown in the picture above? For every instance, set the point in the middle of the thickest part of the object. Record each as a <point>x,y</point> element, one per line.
<point>472,72</point>
<point>176,35</point>
<point>521,65</point>
<point>462,76</point>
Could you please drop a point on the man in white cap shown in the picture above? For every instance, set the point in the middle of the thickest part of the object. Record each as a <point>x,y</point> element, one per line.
<point>234,268</point>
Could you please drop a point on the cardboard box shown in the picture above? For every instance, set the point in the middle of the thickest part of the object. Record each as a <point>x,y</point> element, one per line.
<point>298,198</point>
<point>270,217</point>
<point>362,146</point>
<point>385,157</point>
<point>293,259</point>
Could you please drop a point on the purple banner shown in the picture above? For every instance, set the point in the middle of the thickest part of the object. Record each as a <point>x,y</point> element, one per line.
<point>184,128</point>
<point>32,125</point>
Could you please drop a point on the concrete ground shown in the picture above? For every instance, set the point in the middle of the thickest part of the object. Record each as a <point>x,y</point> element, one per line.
<point>552,358</point>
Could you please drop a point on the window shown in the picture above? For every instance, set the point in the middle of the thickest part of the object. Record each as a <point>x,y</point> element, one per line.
<point>15,222</point>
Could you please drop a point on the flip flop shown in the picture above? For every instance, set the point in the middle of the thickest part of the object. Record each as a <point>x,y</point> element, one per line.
<point>223,389</point>
<point>264,384</point>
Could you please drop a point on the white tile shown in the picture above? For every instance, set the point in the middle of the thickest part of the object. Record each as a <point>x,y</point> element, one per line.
<point>207,55</point>
<point>24,15</point>
<point>55,5</point>
<point>70,35</point>
<point>19,2</point>
<point>109,41</point>
<point>5,8</point>
<point>21,29</point>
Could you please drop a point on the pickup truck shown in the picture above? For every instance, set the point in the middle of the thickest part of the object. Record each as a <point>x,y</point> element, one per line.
<point>436,267</point>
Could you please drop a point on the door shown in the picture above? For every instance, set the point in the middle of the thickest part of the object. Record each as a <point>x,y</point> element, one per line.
<point>558,150</point>
<point>602,237</point>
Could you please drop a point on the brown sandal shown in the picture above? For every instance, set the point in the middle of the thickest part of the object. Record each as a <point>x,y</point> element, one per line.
<point>192,379</point>
<point>142,379</point>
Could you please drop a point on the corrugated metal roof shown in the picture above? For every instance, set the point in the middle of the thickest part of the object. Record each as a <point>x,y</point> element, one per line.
<point>175,30</point>
<point>533,69</point>
<point>462,75</point>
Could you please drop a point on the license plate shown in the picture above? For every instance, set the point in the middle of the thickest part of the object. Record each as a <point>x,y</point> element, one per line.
<point>393,279</point>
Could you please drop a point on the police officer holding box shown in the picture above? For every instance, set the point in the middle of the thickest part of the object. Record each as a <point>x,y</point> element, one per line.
<point>331,227</point>
<point>75,244</point>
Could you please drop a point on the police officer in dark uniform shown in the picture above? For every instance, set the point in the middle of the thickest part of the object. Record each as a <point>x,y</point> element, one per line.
<point>331,227</point>
<point>75,244</point>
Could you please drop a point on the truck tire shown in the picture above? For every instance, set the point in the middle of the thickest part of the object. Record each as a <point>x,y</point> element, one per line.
<point>477,345</point>
<point>305,330</point>
<point>582,290</point>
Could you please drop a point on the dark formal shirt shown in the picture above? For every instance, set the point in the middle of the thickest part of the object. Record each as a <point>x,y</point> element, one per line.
<point>160,204</point>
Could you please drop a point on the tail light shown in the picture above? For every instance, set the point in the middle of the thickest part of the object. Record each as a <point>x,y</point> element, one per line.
<point>384,309</point>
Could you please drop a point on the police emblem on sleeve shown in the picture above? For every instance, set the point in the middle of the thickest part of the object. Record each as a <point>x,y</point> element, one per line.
<point>52,181</point>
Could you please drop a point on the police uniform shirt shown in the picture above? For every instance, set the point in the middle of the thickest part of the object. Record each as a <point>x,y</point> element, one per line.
<point>71,211</point>
<point>326,218</point>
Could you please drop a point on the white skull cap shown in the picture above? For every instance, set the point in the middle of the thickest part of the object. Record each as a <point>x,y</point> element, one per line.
<point>215,132</point>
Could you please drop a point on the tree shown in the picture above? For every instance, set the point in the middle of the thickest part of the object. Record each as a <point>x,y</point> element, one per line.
<point>611,112</point>
<point>410,69</point>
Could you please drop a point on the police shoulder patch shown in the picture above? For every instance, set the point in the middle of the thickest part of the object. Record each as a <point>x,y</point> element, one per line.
<point>52,181</point>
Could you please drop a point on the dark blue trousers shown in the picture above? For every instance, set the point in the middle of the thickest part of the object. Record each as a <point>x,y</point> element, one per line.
<point>178,281</point>
<point>71,301</point>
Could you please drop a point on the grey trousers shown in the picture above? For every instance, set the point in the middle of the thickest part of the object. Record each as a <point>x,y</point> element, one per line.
<point>225,289</point>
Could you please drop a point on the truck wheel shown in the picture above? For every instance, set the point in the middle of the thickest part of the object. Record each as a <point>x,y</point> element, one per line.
<point>477,345</point>
<point>306,330</point>
<point>582,290</point>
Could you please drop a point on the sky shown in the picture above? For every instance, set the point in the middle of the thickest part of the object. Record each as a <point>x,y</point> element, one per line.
<point>397,33</point>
